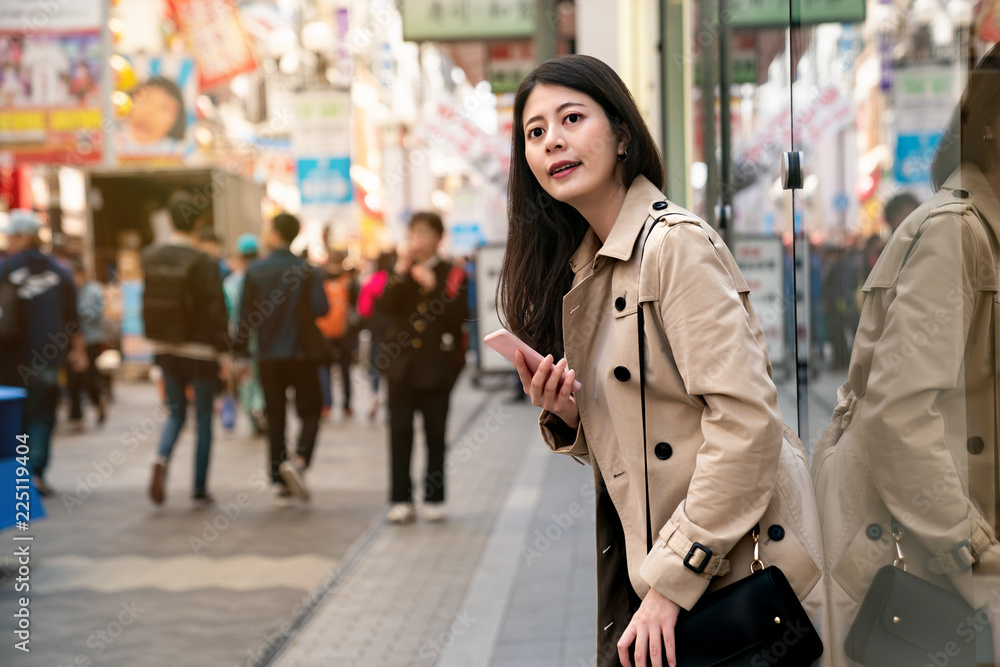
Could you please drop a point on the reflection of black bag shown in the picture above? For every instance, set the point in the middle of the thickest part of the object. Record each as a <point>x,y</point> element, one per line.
<point>757,620</point>
<point>906,621</point>
<point>11,314</point>
<point>314,346</point>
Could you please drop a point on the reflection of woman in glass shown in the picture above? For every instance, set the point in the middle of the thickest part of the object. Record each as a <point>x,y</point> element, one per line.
<point>913,443</point>
<point>158,119</point>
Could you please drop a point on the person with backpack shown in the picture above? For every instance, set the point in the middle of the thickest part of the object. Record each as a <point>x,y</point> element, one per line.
<point>339,328</point>
<point>39,331</point>
<point>282,297</point>
<point>184,314</point>
<point>423,355</point>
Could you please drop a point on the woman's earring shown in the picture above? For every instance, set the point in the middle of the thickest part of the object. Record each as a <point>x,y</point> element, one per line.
<point>989,134</point>
<point>623,156</point>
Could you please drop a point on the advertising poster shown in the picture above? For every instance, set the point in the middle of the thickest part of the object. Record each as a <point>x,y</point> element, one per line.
<point>159,126</point>
<point>217,40</point>
<point>925,98</point>
<point>321,144</point>
<point>50,71</point>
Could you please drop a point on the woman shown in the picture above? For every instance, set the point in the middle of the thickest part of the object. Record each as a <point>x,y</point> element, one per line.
<point>913,439</point>
<point>591,240</point>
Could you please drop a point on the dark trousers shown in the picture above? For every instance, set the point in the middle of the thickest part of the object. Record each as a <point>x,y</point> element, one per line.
<point>90,381</point>
<point>38,418</point>
<point>276,376</point>
<point>404,402</point>
<point>341,359</point>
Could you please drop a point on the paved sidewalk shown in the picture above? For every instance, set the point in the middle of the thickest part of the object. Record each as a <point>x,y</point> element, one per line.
<point>116,581</point>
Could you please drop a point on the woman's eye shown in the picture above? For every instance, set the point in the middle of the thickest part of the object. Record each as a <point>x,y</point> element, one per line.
<point>535,132</point>
<point>573,117</point>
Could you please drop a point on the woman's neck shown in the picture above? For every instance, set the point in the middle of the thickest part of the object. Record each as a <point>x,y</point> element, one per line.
<point>601,211</point>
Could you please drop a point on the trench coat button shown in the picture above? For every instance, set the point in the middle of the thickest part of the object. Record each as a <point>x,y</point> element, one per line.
<point>620,304</point>
<point>419,325</point>
<point>776,533</point>
<point>660,205</point>
<point>622,374</point>
<point>960,193</point>
<point>874,531</point>
<point>976,445</point>
<point>421,308</point>
<point>417,343</point>
<point>663,451</point>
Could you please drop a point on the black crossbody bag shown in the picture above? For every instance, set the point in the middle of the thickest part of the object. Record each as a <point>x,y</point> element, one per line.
<point>756,620</point>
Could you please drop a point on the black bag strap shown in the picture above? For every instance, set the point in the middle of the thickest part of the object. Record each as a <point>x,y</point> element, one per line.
<point>641,327</point>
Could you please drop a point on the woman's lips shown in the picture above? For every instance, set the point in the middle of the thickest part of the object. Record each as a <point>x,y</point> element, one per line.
<point>567,171</point>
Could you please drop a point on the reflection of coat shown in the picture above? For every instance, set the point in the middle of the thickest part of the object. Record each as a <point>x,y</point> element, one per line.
<point>913,435</point>
<point>717,460</point>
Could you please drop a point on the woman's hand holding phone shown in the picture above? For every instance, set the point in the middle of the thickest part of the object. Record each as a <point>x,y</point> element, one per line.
<point>550,387</point>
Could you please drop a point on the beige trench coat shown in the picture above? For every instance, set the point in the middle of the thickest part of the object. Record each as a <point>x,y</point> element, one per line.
<point>718,461</point>
<point>913,435</point>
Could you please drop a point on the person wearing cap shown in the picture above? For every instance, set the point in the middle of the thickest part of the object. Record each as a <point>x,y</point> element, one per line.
<point>251,394</point>
<point>47,334</point>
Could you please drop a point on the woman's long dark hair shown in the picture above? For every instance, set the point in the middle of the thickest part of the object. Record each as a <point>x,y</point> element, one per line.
<point>965,139</point>
<point>542,233</point>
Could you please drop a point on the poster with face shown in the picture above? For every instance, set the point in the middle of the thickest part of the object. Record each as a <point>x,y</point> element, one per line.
<point>158,119</point>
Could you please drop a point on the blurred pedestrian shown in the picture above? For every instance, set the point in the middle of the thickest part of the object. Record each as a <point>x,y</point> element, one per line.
<point>598,259</point>
<point>247,378</point>
<point>210,244</point>
<point>39,331</point>
<point>425,303</point>
<point>377,323</point>
<point>184,314</point>
<point>90,307</point>
<point>898,208</point>
<point>282,297</point>
<point>340,328</point>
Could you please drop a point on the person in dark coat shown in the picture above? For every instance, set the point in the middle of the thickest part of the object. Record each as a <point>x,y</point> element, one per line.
<point>423,352</point>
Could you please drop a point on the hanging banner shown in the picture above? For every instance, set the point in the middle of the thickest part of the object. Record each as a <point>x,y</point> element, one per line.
<point>50,70</point>
<point>159,127</point>
<point>321,144</point>
<point>216,39</point>
<point>782,13</point>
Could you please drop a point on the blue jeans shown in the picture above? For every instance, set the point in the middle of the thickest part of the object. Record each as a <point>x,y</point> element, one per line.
<point>39,418</point>
<point>204,392</point>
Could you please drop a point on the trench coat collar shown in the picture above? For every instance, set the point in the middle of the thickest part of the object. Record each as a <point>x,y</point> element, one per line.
<point>971,179</point>
<point>630,221</point>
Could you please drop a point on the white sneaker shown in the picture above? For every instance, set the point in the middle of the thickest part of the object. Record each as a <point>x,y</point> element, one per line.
<point>401,513</point>
<point>283,497</point>
<point>434,512</point>
<point>292,475</point>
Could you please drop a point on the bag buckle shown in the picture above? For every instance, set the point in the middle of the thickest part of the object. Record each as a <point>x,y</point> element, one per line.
<point>698,546</point>
<point>964,562</point>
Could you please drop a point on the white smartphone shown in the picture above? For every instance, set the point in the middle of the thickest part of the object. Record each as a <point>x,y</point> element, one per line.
<point>505,343</point>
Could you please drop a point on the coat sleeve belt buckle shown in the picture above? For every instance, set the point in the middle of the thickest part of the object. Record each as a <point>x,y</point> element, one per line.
<point>964,555</point>
<point>698,546</point>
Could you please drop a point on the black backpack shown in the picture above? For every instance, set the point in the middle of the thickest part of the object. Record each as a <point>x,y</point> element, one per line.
<point>12,322</point>
<point>167,309</point>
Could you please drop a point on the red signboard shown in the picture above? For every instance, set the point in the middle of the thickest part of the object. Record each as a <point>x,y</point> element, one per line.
<point>216,39</point>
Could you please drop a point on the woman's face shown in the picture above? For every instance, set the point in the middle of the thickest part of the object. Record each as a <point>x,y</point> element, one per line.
<point>569,144</point>
<point>154,112</point>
